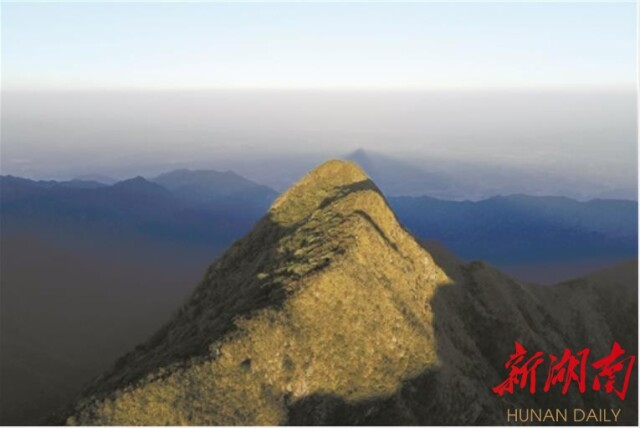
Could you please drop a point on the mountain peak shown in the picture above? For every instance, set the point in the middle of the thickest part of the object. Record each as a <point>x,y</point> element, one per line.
<point>330,180</point>
<point>327,295</point>
<point>332,174</point>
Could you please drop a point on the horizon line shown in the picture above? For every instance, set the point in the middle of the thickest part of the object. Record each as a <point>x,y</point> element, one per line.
<point>628,86</point>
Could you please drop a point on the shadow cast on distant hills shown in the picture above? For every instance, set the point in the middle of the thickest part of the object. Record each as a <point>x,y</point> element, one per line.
<point>473,343</point>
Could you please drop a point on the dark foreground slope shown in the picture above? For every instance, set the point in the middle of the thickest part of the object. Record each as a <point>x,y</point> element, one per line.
<point>89,270</point>
<point>329,312</point>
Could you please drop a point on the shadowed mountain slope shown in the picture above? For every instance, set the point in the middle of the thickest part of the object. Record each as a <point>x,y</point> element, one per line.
<point>329,312</point>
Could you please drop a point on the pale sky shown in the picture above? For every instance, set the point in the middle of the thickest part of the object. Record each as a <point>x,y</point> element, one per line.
<point>317,46</point>
<point>139,88</point>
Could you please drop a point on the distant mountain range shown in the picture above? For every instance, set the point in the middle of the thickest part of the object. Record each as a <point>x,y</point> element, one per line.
<point>214,208</point>
<point>213,189</point>
<point>330,313</point>
<point>204,207</point>
<point>521,229</point>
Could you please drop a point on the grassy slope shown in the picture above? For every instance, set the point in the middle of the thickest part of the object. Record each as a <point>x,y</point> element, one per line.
<point>354,322</point>
<point>329,312</point>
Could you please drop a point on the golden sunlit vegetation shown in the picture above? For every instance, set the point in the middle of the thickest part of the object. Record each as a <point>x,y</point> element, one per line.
<point>328,295</point>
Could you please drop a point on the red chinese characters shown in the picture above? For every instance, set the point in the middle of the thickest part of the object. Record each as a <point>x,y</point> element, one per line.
<point>569,369</point>
<point>613,370</point>
<point>520,373</point>
<point>608,367</point>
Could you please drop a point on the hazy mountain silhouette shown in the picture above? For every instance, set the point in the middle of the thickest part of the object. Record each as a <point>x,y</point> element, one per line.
<point>180,212</point>
<point>329,312</point>
<point>211,187</point>
<point>11,182</point>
